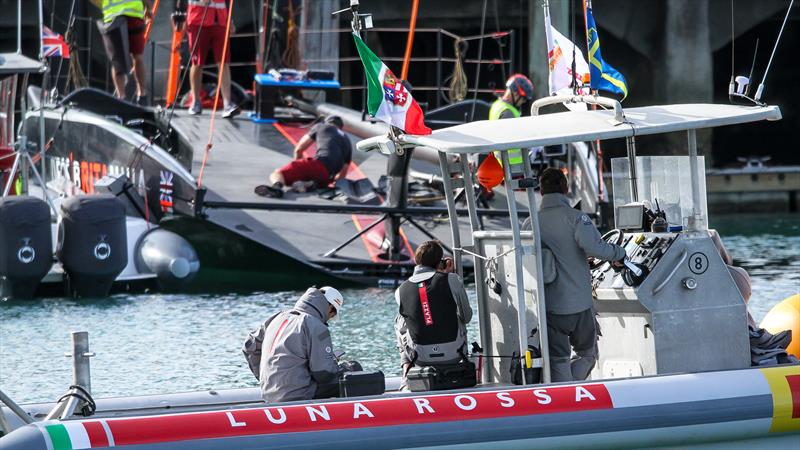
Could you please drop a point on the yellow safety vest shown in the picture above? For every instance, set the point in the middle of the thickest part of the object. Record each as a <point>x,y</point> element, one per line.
<point>130,8</point>
<point>498,108</point>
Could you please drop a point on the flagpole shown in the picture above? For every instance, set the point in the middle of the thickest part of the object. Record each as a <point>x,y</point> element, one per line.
<point>598,147</point>
<point>42,96</point>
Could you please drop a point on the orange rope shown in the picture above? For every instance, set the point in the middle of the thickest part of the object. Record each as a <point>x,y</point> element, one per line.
<point>410,42</point>
<point>152,19</point>
<point>209,144</point>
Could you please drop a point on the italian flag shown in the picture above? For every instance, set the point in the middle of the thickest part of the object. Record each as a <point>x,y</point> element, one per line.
<point>78,435</point>
<point>387,99</point>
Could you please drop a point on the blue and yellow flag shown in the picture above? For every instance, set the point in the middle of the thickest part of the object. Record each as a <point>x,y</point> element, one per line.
<point>603,77</point>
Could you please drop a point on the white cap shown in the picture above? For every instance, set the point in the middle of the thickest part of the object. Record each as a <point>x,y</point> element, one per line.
<point>335,298</point>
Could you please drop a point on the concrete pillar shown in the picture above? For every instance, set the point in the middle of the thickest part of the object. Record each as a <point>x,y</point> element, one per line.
<point>685,72</point>
<point>316,15</point>
<point>537,44</point>
<point>316,45</point>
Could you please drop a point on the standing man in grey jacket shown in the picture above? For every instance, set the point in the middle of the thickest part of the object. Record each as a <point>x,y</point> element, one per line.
<point>571,237</point>
<point>292,353</point>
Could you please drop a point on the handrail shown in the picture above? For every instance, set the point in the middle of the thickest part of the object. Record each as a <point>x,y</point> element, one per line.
<point>413,211</point>
<point>661,285</point>
<point>619,115</point>
<point>15,408</point>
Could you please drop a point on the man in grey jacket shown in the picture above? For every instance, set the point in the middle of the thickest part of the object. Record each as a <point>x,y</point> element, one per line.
<point>292,353</point>
<point>571,237</point>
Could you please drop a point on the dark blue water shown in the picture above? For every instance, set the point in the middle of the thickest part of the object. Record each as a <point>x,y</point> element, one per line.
<point>157,343</point>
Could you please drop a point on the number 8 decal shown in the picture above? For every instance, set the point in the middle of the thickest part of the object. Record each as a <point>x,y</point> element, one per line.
<point>698,263</point>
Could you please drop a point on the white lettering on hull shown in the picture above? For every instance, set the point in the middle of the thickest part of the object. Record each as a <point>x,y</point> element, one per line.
<point>581,393</point>
<point>361,410</point>
<point>233,421</point>
<point>423,403</point>
<point>322,412</point>
<point>281,419</point>
<point>542,397</point>
<point>505,400</point>
<point>469,406</point>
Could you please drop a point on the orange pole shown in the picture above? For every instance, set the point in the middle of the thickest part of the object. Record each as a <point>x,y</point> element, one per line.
<point>149,27</point>
<point>174,65</point>
<point>410,42</point>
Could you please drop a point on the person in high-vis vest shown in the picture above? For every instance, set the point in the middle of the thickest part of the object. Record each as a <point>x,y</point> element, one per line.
<point>206,21</point>
<point>123,28</point>
<point>519,89</point>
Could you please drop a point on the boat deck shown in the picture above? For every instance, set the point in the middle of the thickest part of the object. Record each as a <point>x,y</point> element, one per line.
<point>243,155</point>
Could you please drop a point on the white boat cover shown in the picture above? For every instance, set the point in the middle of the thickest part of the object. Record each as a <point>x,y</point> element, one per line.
<point>574,126</point>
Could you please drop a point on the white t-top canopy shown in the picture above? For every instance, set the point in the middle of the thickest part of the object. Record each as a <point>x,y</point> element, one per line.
<point>574,126</point>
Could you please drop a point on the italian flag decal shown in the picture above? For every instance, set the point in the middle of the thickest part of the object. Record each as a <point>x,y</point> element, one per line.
<point>79,435</point>
<point>387,99</point>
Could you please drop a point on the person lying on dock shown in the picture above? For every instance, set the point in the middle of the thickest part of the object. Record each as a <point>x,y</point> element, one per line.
<point>292,354</point>
<point>434,310</point>
<point>330,163</point>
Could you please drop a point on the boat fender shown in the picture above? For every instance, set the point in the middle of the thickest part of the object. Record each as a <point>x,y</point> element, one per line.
<point>168,255</point>
<point>785,316</point>
<point>26,247</point>
<point>92,244</point>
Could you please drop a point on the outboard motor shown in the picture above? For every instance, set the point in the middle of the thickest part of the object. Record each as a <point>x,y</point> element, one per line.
<point>26,245</point>
<point>92,243</point>
<point>168,255</point>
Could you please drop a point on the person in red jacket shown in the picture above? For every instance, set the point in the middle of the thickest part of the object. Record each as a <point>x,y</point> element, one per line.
<point>206,21</point>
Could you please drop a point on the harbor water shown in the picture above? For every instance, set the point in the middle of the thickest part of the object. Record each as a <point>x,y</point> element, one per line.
<point>163,343</point>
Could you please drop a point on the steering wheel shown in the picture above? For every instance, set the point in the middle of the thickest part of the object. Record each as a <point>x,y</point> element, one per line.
<point>614,236</point>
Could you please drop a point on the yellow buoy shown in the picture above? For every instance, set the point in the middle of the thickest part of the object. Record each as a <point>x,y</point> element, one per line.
<point>785,316</point>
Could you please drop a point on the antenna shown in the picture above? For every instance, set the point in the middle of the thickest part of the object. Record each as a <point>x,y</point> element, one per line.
<point>739,88</point>
<point>733,55</point>
<point>760,89</point>
<point>356,22</point>
<point>752,66</point>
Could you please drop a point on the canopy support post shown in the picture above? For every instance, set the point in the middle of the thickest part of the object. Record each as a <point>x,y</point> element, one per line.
<point>630,144</point>
<point>695,219</point>
<point>522,319</point>
<point>458,253</point>
<point>541,306</point>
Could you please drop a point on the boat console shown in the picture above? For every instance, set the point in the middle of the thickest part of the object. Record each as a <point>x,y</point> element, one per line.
<point>682,312</point>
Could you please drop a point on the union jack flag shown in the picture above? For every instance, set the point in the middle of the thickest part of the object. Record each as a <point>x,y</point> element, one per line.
<point>53,44</point>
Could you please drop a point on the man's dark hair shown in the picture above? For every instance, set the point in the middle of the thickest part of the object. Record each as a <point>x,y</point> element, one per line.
<point>335,120</point>
<point>429,254</point>
<point>553,181</point>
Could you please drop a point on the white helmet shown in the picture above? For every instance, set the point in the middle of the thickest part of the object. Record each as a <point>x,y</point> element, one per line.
<point>335,298</point>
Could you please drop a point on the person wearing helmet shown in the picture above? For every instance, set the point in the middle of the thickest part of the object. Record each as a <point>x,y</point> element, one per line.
<point>292,355</point>
<point>434,310</point>
<point>331,161</point>
<point>519,90</point>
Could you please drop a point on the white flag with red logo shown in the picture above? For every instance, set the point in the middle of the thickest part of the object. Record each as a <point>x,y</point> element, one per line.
<point>559,59</point>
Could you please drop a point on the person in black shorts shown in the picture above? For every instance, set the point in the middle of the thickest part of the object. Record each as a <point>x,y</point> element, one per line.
<point>334,153</point>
